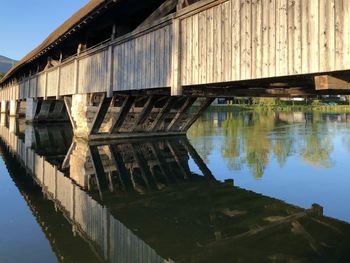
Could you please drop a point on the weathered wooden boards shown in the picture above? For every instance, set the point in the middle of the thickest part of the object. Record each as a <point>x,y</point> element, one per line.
<point>208,42</point>
<point>9,93</point>
<point>327,82</point>
<point>144,62</point>
<point>92,73</point>
<point>248,39</point>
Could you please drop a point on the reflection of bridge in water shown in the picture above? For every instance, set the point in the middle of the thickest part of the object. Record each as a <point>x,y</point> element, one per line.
<point>140,201</point>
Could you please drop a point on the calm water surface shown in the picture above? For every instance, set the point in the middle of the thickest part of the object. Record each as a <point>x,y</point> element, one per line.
<point>242,187</point>
<point>301,158</point>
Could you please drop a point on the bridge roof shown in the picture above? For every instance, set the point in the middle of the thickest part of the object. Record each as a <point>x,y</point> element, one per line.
<point>60,32</point>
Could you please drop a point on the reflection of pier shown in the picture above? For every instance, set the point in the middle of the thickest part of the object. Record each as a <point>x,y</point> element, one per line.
<point>145,204</point>
<point>109,237</point>
<point>132,165</point>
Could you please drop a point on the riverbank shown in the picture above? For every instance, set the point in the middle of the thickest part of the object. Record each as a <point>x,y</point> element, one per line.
<point>283,108</point>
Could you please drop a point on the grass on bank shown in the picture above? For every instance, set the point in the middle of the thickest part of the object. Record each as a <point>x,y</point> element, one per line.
<point>286,107</point>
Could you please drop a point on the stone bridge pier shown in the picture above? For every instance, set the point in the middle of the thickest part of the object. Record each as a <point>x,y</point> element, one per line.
<point>98,117</point>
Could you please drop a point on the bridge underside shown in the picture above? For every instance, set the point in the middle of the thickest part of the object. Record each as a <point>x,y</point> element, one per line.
<point>124,115</point>
<point>306,85</point>
<point>154,112</point>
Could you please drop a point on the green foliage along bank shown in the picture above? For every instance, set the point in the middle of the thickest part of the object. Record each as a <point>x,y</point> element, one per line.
<point>271,104</point>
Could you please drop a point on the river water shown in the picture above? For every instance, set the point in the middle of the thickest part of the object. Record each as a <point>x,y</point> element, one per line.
<point>241,187</point>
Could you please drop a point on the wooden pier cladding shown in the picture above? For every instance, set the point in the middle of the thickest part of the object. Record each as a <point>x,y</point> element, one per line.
<point>208,42</point>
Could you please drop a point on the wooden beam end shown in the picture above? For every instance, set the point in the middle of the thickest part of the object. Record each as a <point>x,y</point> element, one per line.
<point>328,82</point>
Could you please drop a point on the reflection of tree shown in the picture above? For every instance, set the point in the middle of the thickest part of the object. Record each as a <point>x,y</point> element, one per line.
<point>231,148</point>
<point>257,143</point>
<point>283,149</point>
<point>317,145</point>
<point>346,141</point>
<point>201,135</point>
<point>247,141</point>
<point>250,138</point>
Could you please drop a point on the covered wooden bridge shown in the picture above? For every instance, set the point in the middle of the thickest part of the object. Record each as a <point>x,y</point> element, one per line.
<point>136,68</point>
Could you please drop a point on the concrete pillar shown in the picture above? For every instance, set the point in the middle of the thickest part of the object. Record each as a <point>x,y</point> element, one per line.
<point>31,106</point>
<point>80,164</point>
<point>82,114</point>
<point>13,107</point>
<point>3,106</point>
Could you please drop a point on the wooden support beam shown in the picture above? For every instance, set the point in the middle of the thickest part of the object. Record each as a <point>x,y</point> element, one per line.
<point>160,12</point>
<point>58,111</point>
<point>68,103</point>
<point>176,87</point>
<point>129,135</point>
<point>198,113</point>
<point>124,175</point>
<point>99,170</point>
<point>228,92</point>
<point>110,182</point>
<point>76,75</point>
<point>197,159</point>
<point>182,4</point>
<point>66,161</point>
<point>57,82</point>
<point>44,111</point>
<point>110,75</point>
<point>142,164</point>
<point>161,161</point>
<point>162,114</point>
<point>185,107</point>
<point>183,168</point>
<point>100,114</point>
<point>124,110</point>
<point>147,108</point>
<point>327,82</point>
<point>46,84</point>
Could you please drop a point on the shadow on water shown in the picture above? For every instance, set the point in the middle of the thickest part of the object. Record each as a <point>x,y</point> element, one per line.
<point>141,201</point>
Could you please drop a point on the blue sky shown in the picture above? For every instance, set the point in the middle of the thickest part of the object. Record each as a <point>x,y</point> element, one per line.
<point>24,24</point>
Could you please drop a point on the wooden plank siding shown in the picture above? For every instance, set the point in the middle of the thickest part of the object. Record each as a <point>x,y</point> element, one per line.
<point>67,79</point>
<point>41,84</point>
<point>92,75</point>
<point>52,84</point>
<point>219,41</point>
<point>267,38</point>
<point>143,62</point>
